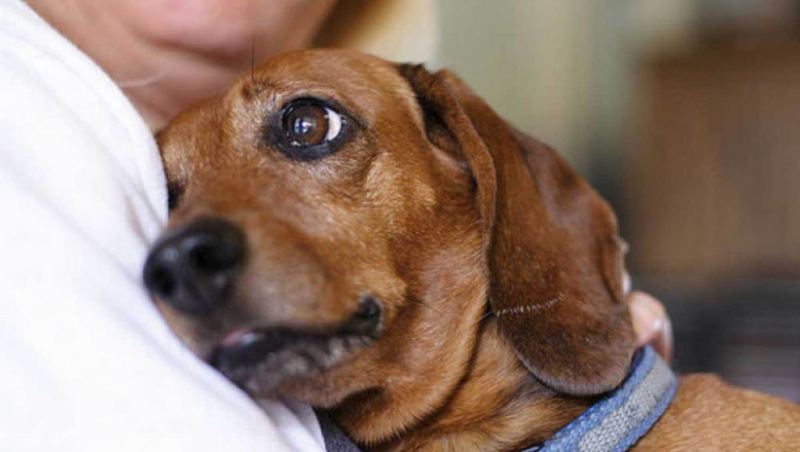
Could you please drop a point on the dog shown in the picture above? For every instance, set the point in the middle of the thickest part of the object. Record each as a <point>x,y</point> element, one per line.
<point>374,240</point>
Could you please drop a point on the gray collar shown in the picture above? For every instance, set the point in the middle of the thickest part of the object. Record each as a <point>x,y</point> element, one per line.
<point>617,421</point>
<point>613,424</point>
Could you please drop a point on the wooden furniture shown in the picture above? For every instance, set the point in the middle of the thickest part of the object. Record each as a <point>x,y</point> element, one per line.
<point>712,186</point>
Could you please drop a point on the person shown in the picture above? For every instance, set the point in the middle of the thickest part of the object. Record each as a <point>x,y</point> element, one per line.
<point>87,362</point>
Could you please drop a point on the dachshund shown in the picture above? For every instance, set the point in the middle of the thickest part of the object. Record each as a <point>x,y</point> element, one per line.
<point>374,240</point>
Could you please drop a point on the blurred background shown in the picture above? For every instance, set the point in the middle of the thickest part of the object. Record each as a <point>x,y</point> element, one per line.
<point>685,114</point>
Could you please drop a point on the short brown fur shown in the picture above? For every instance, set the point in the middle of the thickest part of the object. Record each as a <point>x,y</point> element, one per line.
<point>498,267</point>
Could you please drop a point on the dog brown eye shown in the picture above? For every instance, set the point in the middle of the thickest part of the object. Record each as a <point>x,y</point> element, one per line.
<point>309,128</point>
<point>306,125</point>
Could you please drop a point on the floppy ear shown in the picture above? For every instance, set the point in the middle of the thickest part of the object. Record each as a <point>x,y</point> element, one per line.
<point>554,256</point>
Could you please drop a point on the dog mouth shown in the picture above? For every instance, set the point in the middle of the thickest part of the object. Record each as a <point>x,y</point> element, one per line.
<point>260,359</point>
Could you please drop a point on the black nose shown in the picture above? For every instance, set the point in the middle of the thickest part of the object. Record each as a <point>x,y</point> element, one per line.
<point>193,268</point>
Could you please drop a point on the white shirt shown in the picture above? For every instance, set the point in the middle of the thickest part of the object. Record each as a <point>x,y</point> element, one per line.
<point>86,362</point>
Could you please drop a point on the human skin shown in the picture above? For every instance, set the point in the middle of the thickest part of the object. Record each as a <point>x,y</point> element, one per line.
<point>651,323</point>
<point>168,54</point>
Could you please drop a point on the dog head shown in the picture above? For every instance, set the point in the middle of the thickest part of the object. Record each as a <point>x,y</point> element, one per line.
<point>340,226</point>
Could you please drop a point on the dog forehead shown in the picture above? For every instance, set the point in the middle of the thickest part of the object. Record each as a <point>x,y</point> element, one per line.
<point>331,66</point>
<point>359,79</point>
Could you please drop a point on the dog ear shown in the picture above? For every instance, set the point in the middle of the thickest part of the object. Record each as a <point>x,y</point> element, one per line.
<point>554,257</point>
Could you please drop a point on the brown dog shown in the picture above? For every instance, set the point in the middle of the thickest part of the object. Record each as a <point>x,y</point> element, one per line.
<point>374,240</point>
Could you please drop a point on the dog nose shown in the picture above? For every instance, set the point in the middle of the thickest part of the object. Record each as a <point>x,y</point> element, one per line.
<point>193,268</point>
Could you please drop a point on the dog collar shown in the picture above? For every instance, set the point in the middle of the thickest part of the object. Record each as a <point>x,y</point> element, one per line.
<point>622,417</point>
<point>613,424</point>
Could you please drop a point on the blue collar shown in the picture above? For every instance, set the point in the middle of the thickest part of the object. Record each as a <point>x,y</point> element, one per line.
<point>613,424</point>
<point>617,421</point>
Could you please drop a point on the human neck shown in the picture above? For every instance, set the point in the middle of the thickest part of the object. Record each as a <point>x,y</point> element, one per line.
<point>498,404</point>
<point>165,56</point>
<point>151,74</point>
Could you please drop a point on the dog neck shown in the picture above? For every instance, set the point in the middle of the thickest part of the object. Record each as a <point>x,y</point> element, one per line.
<point>497,404</point>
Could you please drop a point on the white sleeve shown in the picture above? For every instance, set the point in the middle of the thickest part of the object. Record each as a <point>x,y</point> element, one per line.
<point>86,363</point>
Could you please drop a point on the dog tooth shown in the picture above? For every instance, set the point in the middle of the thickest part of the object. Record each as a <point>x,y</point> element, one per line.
<point>249,338</point>
<point>336,350</point>
<point>296,364</point>
<point>350,341</point>
<point>356,341</point>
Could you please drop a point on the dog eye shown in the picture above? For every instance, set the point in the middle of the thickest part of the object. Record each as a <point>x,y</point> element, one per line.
<point>309,125</point>
<point>310,129</point>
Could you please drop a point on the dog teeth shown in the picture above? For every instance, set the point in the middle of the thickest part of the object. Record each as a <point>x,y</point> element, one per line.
<point>355,341</point>
<point>249,338</point>
<point>295,364</point>
<point>301,358</point>
<point>336,349</point>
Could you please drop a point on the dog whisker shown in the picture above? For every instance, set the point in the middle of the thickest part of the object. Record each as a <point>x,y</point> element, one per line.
<point>420,302</point>
<point>253,60</point>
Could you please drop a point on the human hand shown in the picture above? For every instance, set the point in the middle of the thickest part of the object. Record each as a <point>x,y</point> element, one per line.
<point>651,323</point>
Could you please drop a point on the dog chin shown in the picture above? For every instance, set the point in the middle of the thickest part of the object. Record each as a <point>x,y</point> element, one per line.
<point>260,360</point>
